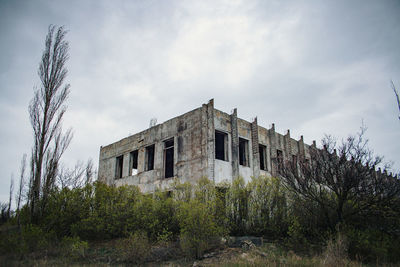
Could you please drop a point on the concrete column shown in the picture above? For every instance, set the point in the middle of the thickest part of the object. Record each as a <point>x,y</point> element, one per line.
<point>255,148</point>
<point>125,165</point>
<point>210,140</point>
<point>288,146</point>
<point>301,148</point>
<point>272,138</point>
<point>203,142</point>
<point>235,145</point>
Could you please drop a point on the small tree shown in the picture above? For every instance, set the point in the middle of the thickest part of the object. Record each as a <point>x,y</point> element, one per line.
<point>343,180</point>
<point>20,193</point>
<point>199,231</point>
<point>46,111</point>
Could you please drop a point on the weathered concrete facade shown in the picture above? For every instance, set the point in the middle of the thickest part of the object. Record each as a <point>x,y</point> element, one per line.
<point>203,142</point>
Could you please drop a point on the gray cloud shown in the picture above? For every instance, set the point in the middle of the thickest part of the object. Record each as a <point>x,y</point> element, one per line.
<point>314,67</point>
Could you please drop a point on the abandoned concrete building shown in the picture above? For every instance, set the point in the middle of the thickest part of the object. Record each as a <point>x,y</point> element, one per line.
<point>204,142</point>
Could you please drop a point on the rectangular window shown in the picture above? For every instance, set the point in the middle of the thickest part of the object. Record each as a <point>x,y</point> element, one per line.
<point>221,146</point>
<point>118,166</point>
<point>169,158</point>
<point>263,157</point>
<point>133,162</point>
<point>279,159</point>
<point>149,158</point>
<point>243,152</point>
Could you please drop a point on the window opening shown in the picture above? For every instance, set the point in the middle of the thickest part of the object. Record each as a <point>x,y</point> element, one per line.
<point>221,146</point>
<point>149,158</point>
<point>169,158</point>
<point>134,162</point>
<point>119,166</point>
<point>243,152</point>
<point>263,161</point>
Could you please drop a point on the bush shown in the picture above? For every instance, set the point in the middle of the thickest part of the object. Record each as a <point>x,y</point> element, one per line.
<point>371,245</point>
<point>74,247</point>
<point>267,207</point>
<point>199,231</point>
<point>135,248</point>
<point>33,238</point>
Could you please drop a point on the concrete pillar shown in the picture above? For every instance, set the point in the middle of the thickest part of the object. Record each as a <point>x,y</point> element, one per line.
<point>272,138</point>
<point>235,145</point>
<point>210,140</point>
<point>125,165</point>
<point>301,148</point>
<point>288,145</point>
<point>255,148</point>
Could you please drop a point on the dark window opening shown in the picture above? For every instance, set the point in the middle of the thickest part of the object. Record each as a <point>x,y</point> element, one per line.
<point>243,152</point>
<point>221,146</point>
<point>169,158</point>
<point>134,162</point>
<point>150,158</point>
<point>263,160</point>
<point>279,159</point>
<point>119,166</point>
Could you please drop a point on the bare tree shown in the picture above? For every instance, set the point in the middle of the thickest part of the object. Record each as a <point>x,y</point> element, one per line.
<point>89,173</point>
<point>342,180</point>
<point>3,212</point>
<point>397,96</point>
<point>79,176</point>
<point>20,193</point>
<point>11,193</point>
<point>46,111</point>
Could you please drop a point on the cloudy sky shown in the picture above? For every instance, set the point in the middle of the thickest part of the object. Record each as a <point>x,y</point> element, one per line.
<point>313,67</point>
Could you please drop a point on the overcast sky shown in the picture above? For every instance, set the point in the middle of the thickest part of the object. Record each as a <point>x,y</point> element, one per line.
<point>313,67</point>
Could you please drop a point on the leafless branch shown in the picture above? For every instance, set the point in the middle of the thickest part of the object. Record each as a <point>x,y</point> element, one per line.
<point>397,96</point>
<point>46,111</point>
<point>342,178</point>
<point>20,192</point>
<point>11,193</point>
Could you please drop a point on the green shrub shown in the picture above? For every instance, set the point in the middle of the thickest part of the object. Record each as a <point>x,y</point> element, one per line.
<point>10,242</point>
<point>34,238</point>
<point>371,245</point>
<point>267,207</point>
<point>237,207</point>
<point>199,231</point>
<point>135,248</point>
<point>74,247</point>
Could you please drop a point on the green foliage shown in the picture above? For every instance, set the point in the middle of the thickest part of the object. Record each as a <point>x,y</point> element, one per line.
<point>296,236</point>
<point>237,197</point>
<point>34,238</point>
<point>267,207</point>
<point>74,247</point>
<point>31,238</point>
<point>199,231</point>
<point>182,191</point>
<point>373,245</point>
<point>198,215</point>
<point>135,248</point>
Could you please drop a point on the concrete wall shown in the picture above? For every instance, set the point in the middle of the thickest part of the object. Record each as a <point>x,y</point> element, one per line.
<point>191,158</point>
<point>194,150</point>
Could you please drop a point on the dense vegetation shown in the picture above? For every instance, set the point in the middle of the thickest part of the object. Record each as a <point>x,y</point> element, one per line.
<point>198,216</point>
